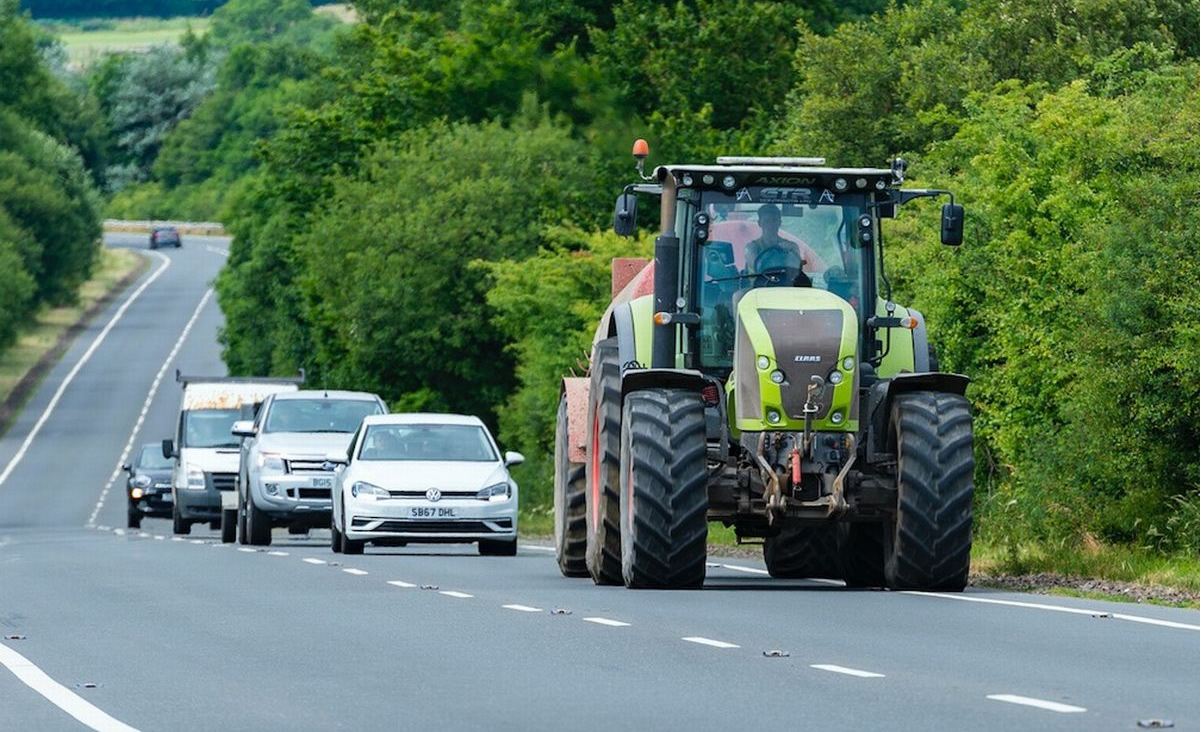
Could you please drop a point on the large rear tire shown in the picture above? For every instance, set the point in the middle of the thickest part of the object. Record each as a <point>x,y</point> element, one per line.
<point>663,489</point>
<point>862,554</point>
<point>603,540</point>
<point>570,536</point>
<point>930,542</point>
<point>801,551</point>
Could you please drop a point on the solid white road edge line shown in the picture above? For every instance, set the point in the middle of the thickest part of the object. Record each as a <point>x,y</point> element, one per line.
<point>58,394</point>
<point>709,642</point>
<point>606,621</point>
<point>1027,701</point>
<point>59,695</point>
<point>847,671</point>
<point>154,388</point>
<point>1055,608</point>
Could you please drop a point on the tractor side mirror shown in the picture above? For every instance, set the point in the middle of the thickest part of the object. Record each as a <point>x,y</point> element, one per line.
<point>952,229</point>
<point>626,214</point>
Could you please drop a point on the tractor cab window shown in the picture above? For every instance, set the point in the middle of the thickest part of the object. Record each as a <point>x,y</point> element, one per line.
<point>760,241</point>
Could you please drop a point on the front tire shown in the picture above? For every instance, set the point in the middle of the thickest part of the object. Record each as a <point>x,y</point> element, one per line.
<point>133,519</point>
<point>335,537</point>
<point>663,489</point>
<point>498,548</point>
<point>179,524</point>
<point>229,525</point>
<point>571,539</point>
<point>258,524</point>
<point>801,551</point>
<point>349,546</point>
<point>603,525</point>
<point>930,541</point>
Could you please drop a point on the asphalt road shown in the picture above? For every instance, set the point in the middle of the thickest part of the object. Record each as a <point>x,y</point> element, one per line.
<point>109,629</point>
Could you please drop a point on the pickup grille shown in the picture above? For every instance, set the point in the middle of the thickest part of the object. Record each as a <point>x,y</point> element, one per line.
<point>308,466</point>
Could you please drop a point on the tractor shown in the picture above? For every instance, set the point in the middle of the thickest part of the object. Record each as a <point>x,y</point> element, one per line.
<point>756,374</point>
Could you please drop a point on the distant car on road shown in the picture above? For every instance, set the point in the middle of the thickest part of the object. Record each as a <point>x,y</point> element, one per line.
<point>164,236</point>
<point>425,478</point>
<point>148,485</point>
<point>287,461</point>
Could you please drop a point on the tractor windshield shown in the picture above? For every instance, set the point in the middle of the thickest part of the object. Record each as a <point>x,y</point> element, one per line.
<point>761,241</point>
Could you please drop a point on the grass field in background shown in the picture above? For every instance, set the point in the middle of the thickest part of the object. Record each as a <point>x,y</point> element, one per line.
<point>87,41</point>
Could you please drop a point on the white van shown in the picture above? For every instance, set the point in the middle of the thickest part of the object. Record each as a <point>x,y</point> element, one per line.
<point>204,451</point>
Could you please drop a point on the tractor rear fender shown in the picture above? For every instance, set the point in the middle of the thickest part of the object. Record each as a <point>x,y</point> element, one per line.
<point>637,379</point>
<point>880,401</point>
<point>575,390</point>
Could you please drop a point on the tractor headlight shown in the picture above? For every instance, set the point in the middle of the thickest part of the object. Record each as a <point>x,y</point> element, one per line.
<point>848,363</point>
<point>763,363</point>
<point>777,376</point>
<point>836,417</point>
<point>835,377</point>
<point>773,416</point>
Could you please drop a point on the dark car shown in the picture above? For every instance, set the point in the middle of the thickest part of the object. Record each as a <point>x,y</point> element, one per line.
<point>164,236</point>
<point>148,486</point>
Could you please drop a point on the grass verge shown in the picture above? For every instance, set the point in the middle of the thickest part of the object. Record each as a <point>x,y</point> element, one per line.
<point>25,364</point>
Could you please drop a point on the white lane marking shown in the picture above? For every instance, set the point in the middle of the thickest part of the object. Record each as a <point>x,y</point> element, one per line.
<point>847,671</point>
<point>154,388</point>
<point>536,548</point>
<point>523,608</point>
<point>159,537</point>
<point>247,549</point>
<point>748,570</point>
<point>119,532</point>
<point>1055,608</point>
<point>709,642</point>
<point>1027,701</point>
<point>278,554</point>
<point>311,560</point>
<point>178,538</point>
<point>606,621</point>
<point>59,695</point>
<point>62,388</point>
<point>399,583</point>
<point>452,593</point>
<point>215,250</point>
<point>198,541</point>
<point>356,572</point>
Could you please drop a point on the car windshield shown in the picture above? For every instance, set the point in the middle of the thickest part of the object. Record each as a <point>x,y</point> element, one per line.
<point>151,458</point>
<point>210,427</point>
<point>443,442</point>
<point>318,415</point>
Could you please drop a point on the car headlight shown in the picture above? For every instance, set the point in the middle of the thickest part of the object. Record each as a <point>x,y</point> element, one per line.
<point>196,479</point>
<point>365,491</point>
<point>498,492</point>
<point>271,463</point>
<point>141,481</point>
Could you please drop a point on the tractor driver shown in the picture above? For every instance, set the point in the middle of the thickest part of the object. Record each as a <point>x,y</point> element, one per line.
<point>773,256</point>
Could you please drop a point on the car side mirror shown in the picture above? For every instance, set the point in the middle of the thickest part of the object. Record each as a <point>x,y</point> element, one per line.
<point>169,449</point>
<point>514,458</point>
<point>126,467</point>
<point>243,428</point>
<point>952,227</point>
<point>626,214</point>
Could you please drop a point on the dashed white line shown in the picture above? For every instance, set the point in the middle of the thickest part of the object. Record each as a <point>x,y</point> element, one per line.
<point>847,671</point>
<point>709,642</point>
<point>178,538</point>
<point>606,621</point>
<point>277,554</point>
<point>59,695</point>
<point>356,572</point>
<point>452,593</point>
<point>400,583</point>
<point>198,541</point>
<point>311,560</point>
<point>159,537</point>
<point>1027,701</point>
<point>247,549</point>
<point>523,608</point>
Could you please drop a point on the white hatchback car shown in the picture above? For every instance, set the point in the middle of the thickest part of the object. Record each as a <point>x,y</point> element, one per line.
<point>425,478</point>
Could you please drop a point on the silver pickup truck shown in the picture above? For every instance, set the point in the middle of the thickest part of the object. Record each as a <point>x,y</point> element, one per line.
<point>288,456</point>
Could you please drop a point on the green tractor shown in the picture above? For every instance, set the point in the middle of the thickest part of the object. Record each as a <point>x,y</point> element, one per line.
<point>757,374</point>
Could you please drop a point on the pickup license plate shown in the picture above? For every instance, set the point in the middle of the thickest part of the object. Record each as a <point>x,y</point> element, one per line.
<point>431,512</point>
<point>323,482</point>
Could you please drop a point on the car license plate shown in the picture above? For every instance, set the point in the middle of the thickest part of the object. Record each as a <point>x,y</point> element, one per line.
<point>431,512</point>
<point>166,497</point>
<point>323,482</point>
